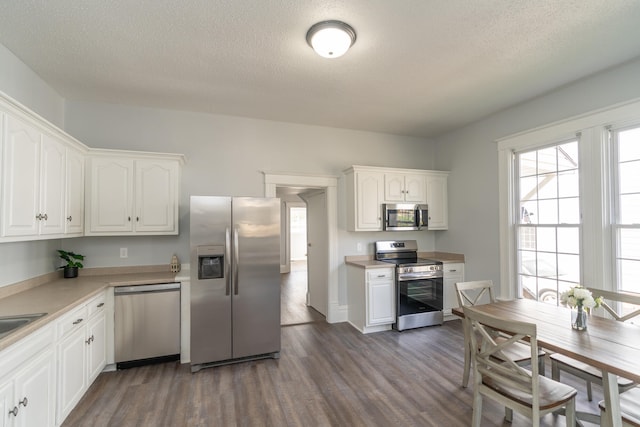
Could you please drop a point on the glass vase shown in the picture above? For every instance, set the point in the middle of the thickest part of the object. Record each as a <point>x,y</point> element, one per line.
<point>579,319</point>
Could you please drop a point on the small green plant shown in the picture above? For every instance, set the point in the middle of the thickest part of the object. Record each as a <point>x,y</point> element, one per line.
<point>72,259</point>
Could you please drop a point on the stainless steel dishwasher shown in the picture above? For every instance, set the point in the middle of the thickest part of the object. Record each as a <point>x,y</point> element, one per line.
<point>147,324</point>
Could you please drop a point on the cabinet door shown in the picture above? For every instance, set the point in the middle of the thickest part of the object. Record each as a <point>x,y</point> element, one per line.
<point>72,371</point>
<point>20,180</point>
<point>381,302</point>
<point>415,190</point>
<point>7,403</point>
<point>369,195</point>
<point>453,273</point>
<point>394,191</point>
<point>156,196</point>
<point>437,201</point>
<point>74,213</point>
<point>52,183</point>
<point>34,392</point>
<point>97,348</point>
<point>111,195</point>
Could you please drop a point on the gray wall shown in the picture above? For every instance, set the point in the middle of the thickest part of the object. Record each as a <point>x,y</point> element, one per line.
<point>20,261</point>
<point>471,155</point>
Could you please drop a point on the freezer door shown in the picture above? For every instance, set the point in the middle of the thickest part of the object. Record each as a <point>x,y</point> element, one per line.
<point>256,276</point>
<point>210,230</point>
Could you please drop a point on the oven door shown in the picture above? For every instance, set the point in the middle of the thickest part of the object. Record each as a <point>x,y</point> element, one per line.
<point>420,295</point>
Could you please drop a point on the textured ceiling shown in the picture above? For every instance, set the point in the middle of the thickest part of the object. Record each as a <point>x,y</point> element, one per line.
<point>418,67</point>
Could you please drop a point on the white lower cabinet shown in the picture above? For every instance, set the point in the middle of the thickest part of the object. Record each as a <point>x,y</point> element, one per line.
<point>81,352</point>
<point>453,273</point>
<point>371,294</point>
<point>27,381</point>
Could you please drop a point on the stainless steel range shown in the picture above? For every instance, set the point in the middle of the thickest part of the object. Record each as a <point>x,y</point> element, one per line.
<point>419,284</point>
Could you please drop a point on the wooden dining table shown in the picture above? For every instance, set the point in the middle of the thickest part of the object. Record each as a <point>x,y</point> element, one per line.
<point>612,346</point>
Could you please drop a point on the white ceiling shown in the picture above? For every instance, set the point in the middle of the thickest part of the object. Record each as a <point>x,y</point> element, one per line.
<point>418,67</point>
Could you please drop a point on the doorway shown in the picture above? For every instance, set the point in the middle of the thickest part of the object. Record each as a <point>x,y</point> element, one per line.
<point>335,311</point>
<point>295,305</point>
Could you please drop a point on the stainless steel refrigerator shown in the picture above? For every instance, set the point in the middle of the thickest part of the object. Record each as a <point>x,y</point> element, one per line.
<point>235,279</point>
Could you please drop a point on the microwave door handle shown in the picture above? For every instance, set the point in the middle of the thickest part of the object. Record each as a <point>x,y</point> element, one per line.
<point>419,217</point>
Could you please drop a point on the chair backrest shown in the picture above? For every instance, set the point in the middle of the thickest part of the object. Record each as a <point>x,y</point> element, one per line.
<point>474,293</point>
<point>629,303</point>
<point>492,363</point>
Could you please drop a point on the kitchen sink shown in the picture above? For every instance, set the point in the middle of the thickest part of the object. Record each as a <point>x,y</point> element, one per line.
<point>10,323</point>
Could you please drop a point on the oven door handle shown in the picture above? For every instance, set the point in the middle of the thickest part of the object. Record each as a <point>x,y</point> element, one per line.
<point>404,277</point>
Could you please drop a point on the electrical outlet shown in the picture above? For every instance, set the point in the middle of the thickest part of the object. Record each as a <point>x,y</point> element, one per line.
<point>124,253</point>
<point>359,247</point>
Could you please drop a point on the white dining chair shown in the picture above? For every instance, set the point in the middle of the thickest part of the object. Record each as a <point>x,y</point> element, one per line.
<point>502,379</point>
<point>611,304</point>
<point>629,408</point>
<point>481,292</point>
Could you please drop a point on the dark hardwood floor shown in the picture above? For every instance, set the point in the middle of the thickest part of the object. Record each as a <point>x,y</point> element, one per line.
<point>293,297</point>
<point>327,375</point>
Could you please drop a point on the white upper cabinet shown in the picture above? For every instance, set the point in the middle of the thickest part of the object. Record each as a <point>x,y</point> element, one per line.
<point>404,188</point>
<point>37,189</point>
<point>437,201</point>
<point>368,187</point>
<point>132,195</point>
<point>365,195</point>
<point>74,211</point>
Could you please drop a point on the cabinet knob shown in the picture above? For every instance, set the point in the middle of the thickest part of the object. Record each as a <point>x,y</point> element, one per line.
<point>137,219</point>
<point>14,411</point>
<point>88,341</point>
<point>69,218</point>
<point>45,217</point>
<point>39,217</point>
<point>24,402</point>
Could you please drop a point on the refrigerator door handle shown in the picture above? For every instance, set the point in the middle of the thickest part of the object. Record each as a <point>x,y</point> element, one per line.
<point>227,262</point>
<point>236,260</point>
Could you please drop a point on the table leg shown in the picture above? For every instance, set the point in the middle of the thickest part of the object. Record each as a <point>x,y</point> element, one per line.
<point>611,399</point>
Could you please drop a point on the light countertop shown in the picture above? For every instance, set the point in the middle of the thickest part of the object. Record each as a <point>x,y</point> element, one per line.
<point>59,295</point>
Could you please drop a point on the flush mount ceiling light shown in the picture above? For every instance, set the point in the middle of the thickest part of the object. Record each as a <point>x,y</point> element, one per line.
<point>331,39</point>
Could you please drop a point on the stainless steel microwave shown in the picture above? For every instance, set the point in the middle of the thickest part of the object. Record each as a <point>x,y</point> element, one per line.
<point>404,217</point>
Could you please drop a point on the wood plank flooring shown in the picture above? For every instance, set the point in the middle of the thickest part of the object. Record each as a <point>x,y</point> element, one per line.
<point>327,375</point>
<point>293,297</point>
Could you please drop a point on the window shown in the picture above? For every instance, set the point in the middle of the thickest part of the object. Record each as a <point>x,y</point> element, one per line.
<point>548,235</point>
<point>626,143</point>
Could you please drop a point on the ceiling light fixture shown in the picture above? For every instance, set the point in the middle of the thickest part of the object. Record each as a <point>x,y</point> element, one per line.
<point>331,39</point>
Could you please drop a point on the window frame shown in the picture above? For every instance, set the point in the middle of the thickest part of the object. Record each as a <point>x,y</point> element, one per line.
<point>596,190</point>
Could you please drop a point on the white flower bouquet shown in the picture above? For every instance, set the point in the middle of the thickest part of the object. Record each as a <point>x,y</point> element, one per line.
<point>580,297</point>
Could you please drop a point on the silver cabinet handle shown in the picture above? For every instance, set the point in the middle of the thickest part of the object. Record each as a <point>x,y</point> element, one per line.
<point>39,217</point>
<point>14,411</point>
<point>77,321</point>
<point>100,305</point>
<point>129,218</point>
<point>24,402</point>
<point>69,218</point>
<point>90,340</point>
<point>45,217</point>
<point>137,219</point>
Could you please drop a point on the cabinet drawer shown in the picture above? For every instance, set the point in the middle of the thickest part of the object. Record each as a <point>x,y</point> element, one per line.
<point>72,320</point>
<point>378,274</point>
<point>453,270</point>
<point>96,305</point>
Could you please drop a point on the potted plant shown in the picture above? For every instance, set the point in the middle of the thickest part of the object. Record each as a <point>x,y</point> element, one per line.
<point>73,263</point>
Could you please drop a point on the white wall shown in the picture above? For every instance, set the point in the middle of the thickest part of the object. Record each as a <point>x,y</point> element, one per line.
<point>226,156</point>
<point>20,261</point>
<point>471,155</point>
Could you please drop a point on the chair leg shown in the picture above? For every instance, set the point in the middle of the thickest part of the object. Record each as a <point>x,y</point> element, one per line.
<point>589,394</point>
<point>477,409</point>
<point>555,371</point>
<point>467,366</point>
<point>570,413</point>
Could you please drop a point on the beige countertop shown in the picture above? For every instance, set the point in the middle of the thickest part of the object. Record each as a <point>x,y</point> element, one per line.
<point>57,296</point>
<point>368,261</point>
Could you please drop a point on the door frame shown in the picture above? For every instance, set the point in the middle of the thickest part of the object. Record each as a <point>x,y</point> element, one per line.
<point>335,312</point>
